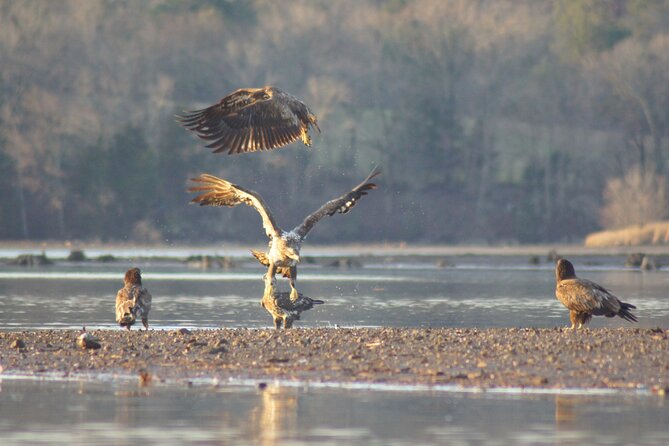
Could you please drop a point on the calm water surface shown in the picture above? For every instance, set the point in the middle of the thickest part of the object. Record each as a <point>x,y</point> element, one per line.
<point>121,413</point>
<point>476,292</point>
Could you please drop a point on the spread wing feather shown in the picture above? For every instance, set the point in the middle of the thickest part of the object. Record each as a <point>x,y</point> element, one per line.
<point>340,205</point>
<point>243,122</point>
<point>219,192</point>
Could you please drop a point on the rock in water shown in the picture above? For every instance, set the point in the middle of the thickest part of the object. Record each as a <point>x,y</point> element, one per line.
<point>635,259</point>
<point>648,264</point>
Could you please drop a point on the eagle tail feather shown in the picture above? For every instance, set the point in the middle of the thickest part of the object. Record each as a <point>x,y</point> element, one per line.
<point>625,313</point>
<point>261,256</point>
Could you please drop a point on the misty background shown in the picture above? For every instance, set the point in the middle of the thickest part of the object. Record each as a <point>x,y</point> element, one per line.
<point>493,121</point>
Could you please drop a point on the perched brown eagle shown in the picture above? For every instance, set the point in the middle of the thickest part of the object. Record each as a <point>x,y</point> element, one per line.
<point>133,301</point>
<point>284,309</point>
<point>284,246</point>
<point>252,119</point>
<point>584,298</point>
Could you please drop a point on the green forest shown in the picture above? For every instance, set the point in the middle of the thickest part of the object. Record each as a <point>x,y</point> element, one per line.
<point>493,121</point>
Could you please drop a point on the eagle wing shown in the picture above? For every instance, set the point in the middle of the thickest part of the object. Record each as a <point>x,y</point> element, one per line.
<point>124,303</point>
<point>303,303</point>
<point>585,296</point>
<point>242,123</point>
<point>341,205</point>
<point>219,192</point>
<point>141,299</point>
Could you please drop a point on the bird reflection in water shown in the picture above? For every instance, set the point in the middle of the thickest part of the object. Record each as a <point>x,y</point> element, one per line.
<point>565,410</point>
<point>126,405</point>
<point>275,418</point>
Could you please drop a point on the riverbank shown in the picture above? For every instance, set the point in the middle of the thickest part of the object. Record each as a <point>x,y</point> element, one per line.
<point>59,250</point>
<point>555,358</point>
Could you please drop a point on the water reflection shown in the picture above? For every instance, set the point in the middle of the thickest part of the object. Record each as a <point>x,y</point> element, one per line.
<point>123,413</point>
<point>275,418</point>
<point>575,416</point>
<point>565,410</point>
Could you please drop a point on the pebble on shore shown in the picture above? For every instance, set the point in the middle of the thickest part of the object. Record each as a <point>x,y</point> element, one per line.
<point>620,358</point>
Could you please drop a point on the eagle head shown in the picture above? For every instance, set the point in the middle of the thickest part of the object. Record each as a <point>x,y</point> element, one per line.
<point>564,270</point>
<point>266,93</point>
<point>133,276</point>
<point>289,246</point>
<point>293,254</point>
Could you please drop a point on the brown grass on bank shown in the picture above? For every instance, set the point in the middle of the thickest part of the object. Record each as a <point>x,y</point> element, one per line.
<point>656,233</point>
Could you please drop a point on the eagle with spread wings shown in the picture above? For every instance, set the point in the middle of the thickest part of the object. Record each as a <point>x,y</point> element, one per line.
<point>252,119</point>
<point>284,246</point>
<point>584,298</point>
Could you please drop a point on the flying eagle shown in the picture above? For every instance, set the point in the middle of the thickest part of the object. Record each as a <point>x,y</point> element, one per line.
<point>284,309</point>
<point>133,301</point>
<point>252,119</point>
<point>284,246</point>
<point>584,298</point>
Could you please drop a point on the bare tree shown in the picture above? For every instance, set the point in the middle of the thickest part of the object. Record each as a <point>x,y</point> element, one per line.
<point>635,199</point>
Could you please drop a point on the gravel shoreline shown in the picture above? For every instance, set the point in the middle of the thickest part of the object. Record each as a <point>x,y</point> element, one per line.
<point>621,358</point>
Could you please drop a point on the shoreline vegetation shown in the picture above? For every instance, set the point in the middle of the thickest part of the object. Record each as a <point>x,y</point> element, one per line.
<point>348,256</point>
<point>559,144</point>
<point>556,358</point>
<point>81,251</point>
<point>649,234</point>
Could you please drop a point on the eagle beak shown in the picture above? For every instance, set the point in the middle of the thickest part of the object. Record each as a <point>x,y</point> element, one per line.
<point>314,122</point>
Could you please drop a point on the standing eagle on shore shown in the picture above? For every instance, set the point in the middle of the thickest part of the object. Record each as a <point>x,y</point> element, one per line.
<point>252,119</point>
<point>133,301</point>
<point>584,298</point>
<point>284,246</point>
<point>284,309</point>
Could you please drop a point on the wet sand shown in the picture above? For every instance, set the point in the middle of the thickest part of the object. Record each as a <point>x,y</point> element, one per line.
<point>626,358</point>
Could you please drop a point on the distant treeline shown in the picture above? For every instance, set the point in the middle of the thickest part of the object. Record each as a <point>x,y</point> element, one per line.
<point>493,121</point>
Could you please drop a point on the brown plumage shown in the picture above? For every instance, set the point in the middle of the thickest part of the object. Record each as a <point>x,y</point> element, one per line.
<point>133,301</point>
<point>264,260</point>
<point>284,309</point>
<point>584,298</point>
<point>284,246</point>
<point>252,119</point>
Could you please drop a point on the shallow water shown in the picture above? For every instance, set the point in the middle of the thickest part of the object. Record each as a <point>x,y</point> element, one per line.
<point>477,292</point>
<point>121,413</point>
